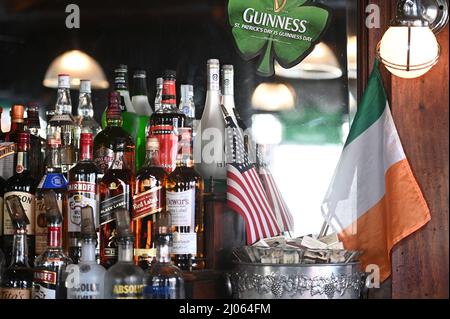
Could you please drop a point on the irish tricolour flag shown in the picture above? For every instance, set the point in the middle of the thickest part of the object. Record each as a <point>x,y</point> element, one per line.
<point>374,201</point>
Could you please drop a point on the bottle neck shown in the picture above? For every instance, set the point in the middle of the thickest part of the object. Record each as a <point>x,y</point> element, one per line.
<point>86,152</point>
<point>152,158</point>
<point>20,249</point>
<point>85,108</point>
<point>184,156</point>
<point>119,161</point>
<point>140,86</point>
<point>88,250</point>
<point>158,97</point>
<point>22,161</point>
<point>169,96</point>
<point>121,81</point>
<point>53,162</point>
<point>114,122</point>
<point>125,253</point>
<point>17,125</point>
<point>163,248</point>
<point>63,102</point>
<point>213,83</point>
<point>54,236</point>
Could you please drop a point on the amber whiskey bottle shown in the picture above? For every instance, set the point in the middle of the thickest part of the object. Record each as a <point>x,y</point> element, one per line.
<point>116,191</point>
<point>149,199</point>
<point>184,198</point>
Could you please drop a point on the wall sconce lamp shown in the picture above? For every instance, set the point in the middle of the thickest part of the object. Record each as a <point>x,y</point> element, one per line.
<point>409,47</point>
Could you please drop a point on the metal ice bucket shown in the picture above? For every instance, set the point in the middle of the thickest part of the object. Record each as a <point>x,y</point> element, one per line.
<point>299,281</point>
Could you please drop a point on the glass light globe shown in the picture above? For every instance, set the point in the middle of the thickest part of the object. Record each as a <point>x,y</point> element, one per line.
<point>424,50</point>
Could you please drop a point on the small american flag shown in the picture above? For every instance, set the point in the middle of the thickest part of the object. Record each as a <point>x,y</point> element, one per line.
<point>245,193</point>
<point>276,201</point>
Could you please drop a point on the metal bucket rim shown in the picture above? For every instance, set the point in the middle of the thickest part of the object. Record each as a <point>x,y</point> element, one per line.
<point>354,263</point>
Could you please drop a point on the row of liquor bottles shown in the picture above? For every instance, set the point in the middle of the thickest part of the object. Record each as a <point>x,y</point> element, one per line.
<point>105,179</point>
<point>54,275</point>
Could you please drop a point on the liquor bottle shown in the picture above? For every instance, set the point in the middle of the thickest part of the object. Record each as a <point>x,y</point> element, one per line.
<point>184,193</point>
<point>187,106</point>
<point>124,279</point>
<point>140,94</point>
<point>91,276</point>
<point>121,86</point>
<point>86,122</point>
<point>23,185</point>
<point>17,122</point>
<point>37,143</point>
<point>227,100</point>
<point>49,112</point>
<point>50,267</point>
<point>64,124</point>
<point>158,96</point>
<point>53,179</point>
<point>164,123</point>
<point>83,191</point>
<point>18,278</point>
<point>116,191</point>
<point>105,141</point>
<point>149,199</point>
<point>164,280</point>
<point>212,164</point>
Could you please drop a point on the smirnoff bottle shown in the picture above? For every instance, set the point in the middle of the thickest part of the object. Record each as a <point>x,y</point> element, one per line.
<point>212,164</point>
<point>184,198</point>
<point>50,267</point>
<point>140,95</point>
<point>64,124</point>
<point>149,199</point>
<point>158,96</point>
<point>37,143</point>
<point>23,185</point>
<point>91,276</point>
<point>121,86</point>
<point>55,180</point>
<point>124,279</point>
<point>83,191</point>
<point>164,280</point>
<point>116,191</point>
<point>105,141</point>
<point>17,280</point>
<point>86,112</point>
<point>164,123</point>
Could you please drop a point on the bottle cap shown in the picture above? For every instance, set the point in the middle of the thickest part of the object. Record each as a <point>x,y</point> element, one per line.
<point>227,67</point>
<point>63,81</point>
<point>121,68</point>
<point>139,74</point>
<point>123,223</point>
<point>152,144</point>
<point>52,212</point>
<point>159,81</point>
<point>16,212</point>
<point>88,223</point>
<point>17,112</point>
<point>169,74</point>
<point>113,111</point>
<point>85,86</point>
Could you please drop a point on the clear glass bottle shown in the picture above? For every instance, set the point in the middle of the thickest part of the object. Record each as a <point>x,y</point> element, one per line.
<point>164,280</point>
<point>63,123</point>
<point>86,122</point>
<point>53,179</point>
<point>149,199</point>
<point>121,86</point>
<point>212,126</point>
<point>91,276</point>
<point>83,190</point>
<point>17,279</point>
<point>124,280</point>
<point>227,79</point>
<point>50,267</point>
<point>140,94</point>
<point>184,198</point>
<point>187,106</point>
<point>158,96</point>
<point>116,191</point>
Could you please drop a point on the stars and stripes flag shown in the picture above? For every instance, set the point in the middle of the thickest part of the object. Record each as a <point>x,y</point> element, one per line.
<point>245,192</point>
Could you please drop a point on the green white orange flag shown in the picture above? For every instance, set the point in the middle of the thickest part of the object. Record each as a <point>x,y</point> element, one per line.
<point>373,200</point>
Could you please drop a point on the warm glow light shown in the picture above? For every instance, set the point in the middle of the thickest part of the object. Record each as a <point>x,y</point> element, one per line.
<point>352,60</point>
<point>423,46</point>
<point>320,64</point>
<point>273,97</point>
<point>79,66</point>
<point>266,129</point>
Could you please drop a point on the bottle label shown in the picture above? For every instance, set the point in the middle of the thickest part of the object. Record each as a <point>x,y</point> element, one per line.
<point>28,203</point>
<point>160,292</point>
<point>168,92</point>
<point>127,291</point>
<point>41,292</point>
<point>15,293</point>
<point>146,203</point>
<point>81,194</point>
<point>20,159</point>
<point>182,207</point>
<point>61,118</point>
<point>54,181</point>
<point>103,158</point>
<point>184,243</point>
<point>44,284</point>
<point>110,252</point>
<point>168,145</point>
<point>86,291</point>
<point>145,252</point>
<point>108,206</point>
<point>213,78</point>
